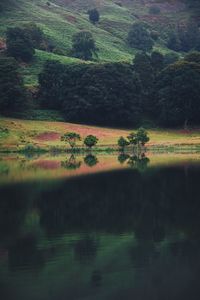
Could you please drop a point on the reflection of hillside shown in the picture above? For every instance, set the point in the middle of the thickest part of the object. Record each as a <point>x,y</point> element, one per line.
<point>139,226</point>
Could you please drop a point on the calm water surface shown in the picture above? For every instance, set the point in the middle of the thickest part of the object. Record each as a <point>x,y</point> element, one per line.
<point>96,228</point>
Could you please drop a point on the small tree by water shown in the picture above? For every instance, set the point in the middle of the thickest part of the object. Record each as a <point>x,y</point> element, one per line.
<point>138,139</point>
<point>71,138</point>
<point>90,141</point>
<point>122,143</point>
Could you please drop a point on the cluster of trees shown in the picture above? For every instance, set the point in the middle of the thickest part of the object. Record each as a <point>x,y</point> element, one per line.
<point>136,139</point>
<point>72,138</point>
<point>106,94</point>
<point>139,37</point>
<point>12,91</point>
<point>158,87</point>
<point>21,42</point>
<point>185,38</point>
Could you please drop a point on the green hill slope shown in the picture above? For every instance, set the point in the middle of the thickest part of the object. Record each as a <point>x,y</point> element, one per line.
<point>60,19</point>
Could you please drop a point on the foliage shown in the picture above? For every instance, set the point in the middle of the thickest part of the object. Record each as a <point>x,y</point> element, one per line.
<point>193,56</point>
<point>90,141</point>
<point>140,38</point>
<point>83,45</point>
<point>93,15</point>
<point>143,67</point>
<point>12,93</point>
<point>185,38</point>
<point>170,58</point>
<point>51,81</point>
<point>19,44</point>
<point>174,42</point>
<point>154,10</point>
<point>122,158</point>
<point>95,93</point>
<point>71,163</point>
<point>71,138</point>
<point>178,94</point>
<point>157,61</point>
<point>35,34</point>
<point>90,160</point>
<point>122,143</point>
<point>142,136</point>
<point>139,138</point>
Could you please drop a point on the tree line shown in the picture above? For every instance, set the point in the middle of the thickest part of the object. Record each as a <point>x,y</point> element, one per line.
<point>160,88</point>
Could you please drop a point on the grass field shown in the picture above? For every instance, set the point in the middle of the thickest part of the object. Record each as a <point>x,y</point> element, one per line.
<point>15,134</point>
<point>60,22</point>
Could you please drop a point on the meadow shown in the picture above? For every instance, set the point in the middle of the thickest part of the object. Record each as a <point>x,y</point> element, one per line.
<point>16,134</point>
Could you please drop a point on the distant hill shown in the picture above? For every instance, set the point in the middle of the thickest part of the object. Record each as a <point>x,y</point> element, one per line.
<point>60,19</point>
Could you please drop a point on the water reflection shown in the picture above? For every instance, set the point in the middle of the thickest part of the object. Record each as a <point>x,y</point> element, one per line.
<point>72,163</point>
<point>90,160</point>
<point>119,235</point>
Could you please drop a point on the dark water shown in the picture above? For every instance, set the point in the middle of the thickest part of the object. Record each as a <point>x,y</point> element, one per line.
<point>126,234</point>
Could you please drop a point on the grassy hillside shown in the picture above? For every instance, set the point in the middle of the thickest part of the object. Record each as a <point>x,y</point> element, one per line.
<point>63,18</point>
<point>16,134</point>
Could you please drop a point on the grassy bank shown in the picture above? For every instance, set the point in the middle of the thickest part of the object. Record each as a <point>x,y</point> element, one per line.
<point>17,134</point>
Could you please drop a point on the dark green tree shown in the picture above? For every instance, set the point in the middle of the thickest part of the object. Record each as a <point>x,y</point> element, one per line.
<point>193,56</point>
<point>142,136</point>
<point>143,67</point>
<point>174,42</point>
<point>51,85</point>
<point>170,58</point>
<point>12,92</point>
<point>71,138</point>
<point>90,141</point>
<point>122,143</point>
<point>178,94</point>
<point>93,15</point>
<point>19,44</point>
<point>83,45</point>
<point>157,61</point>
<point>140,38</point>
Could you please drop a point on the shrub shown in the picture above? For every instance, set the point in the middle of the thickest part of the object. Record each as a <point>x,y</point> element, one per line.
<point>19,44</point>
<point>140,38</point>
<point>83,45</point>
<point>93,15</point>
<point>90,141</point>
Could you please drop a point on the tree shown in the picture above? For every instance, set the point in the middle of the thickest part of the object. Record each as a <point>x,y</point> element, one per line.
<point>142,136</point>
<point>178,94</point>
<point>83,45</point>
<point>170,58</point>
<point>51,85</point>
<point>93,15</point>
<point>132,138</point>
<point>19,44</point>
<point>193,56</point>
<point>107,94</point>
<point>189,36</point>
<point>174,42</point>
<point>139,138</point>
<point>90,141</point>
<point>71,138</point>
<point>122,143</point>
<point>143,67</point>
<point>140,38</point>
<point>157,61</point>
<point>35,34</point>
<point>12,92</point>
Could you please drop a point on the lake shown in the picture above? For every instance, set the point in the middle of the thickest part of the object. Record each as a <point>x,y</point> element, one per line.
<point>100,227</point>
